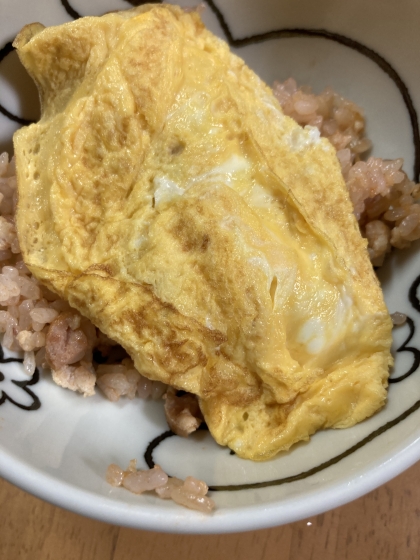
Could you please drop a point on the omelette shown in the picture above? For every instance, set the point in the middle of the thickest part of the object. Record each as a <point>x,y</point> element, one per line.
<point>166,197</point>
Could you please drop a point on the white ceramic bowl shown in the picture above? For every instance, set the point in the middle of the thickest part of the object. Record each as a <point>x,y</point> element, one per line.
<point>57,445</point>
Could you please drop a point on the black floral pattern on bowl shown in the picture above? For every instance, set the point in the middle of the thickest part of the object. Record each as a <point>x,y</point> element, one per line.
<point>18,393</point>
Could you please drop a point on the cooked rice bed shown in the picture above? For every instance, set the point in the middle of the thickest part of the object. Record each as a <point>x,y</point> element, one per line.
<point>385,200</point>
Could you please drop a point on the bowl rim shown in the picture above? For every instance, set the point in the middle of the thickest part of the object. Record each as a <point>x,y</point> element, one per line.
<point>224,520</point>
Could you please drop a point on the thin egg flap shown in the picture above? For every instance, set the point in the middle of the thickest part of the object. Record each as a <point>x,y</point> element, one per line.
<point>164,195</point>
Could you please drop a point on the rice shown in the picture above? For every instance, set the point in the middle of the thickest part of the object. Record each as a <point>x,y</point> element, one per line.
<point>398,319</point>
<point>385,200</point>
<point>54,336</point>
<point>190,493</point>
<point>182,412</point>
<point>36,321</point>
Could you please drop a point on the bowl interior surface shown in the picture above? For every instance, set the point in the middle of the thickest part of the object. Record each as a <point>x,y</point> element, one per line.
<point>58,445</point>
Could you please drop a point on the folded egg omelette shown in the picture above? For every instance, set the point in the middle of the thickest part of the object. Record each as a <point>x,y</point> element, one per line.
<point>164,194</point>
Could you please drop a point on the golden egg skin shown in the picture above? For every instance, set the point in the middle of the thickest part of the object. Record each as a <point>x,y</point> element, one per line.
<point>164,194</point>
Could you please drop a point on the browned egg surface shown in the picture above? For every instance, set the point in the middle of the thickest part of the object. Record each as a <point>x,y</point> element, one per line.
<point>165,195</point>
